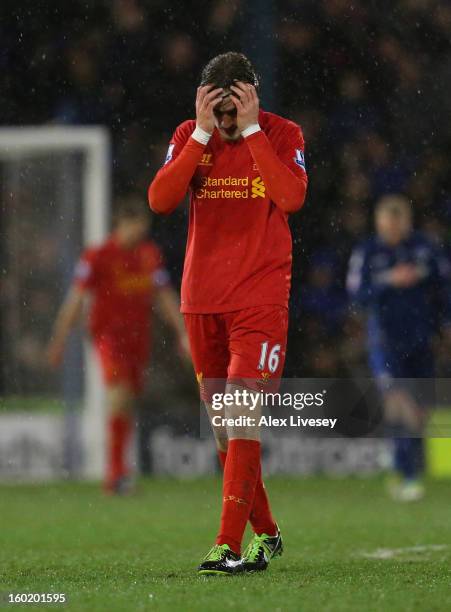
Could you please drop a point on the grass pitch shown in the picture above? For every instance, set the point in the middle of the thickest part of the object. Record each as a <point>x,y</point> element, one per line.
<point>347,547</point>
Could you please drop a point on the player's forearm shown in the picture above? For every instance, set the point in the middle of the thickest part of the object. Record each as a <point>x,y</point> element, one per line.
<point>68,316</point>
<point>285,189</point>
<point>171,182</point>
<point>168,305</point>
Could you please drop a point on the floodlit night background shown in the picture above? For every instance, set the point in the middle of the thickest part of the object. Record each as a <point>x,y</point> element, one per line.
<point>111,504</point>
<point>369,82</point>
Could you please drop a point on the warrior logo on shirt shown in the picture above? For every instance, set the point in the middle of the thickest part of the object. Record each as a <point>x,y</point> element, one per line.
<point>258,188</point>
<point>206,160</point>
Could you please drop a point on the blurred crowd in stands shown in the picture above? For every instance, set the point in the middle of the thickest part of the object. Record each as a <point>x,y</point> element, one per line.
<point>370,83</point>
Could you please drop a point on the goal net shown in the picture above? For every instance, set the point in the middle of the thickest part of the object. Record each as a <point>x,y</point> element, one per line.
<point>54,193</point>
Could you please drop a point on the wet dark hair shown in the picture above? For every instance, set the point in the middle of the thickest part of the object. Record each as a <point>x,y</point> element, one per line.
<point>228,67</point>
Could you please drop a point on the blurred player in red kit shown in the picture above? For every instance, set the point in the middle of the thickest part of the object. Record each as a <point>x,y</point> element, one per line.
<point>123,277</point>
<point>245,171</point>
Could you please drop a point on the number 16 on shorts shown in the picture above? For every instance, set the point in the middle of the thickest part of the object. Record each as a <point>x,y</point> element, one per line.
<point>269,357</point>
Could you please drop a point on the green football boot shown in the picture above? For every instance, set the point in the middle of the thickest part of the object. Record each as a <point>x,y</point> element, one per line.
<point>220,561</point>
<point>262,548</point>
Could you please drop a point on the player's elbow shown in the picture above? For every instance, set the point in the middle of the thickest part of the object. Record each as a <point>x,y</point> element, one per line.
<point>294,201</point>
<point>292,206</point>
<point>158,203</point>
<point>157,207</point>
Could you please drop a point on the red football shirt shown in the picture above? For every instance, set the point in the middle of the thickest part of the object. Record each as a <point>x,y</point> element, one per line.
<point>238,251</point>
<point>122,283</point>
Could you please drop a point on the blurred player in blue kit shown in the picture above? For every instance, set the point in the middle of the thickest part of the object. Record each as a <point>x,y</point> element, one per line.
<point>401,279</point>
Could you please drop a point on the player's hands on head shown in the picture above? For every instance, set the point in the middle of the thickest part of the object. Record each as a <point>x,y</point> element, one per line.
<point>208,96</point>
<point>244,96</point>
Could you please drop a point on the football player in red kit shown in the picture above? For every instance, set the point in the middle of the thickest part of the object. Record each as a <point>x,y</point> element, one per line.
<point>123,277</point>
<point>245,171</point>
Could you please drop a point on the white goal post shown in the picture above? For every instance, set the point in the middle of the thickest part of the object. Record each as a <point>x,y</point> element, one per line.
<point>93,143</point>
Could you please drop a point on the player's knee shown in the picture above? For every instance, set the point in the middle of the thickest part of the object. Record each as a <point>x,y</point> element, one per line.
<point>241,423</point>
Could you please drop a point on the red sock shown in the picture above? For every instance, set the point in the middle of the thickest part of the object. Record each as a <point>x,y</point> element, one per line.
<point>119,429</point>
<point>261,518</point>
<point>240,478</point>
